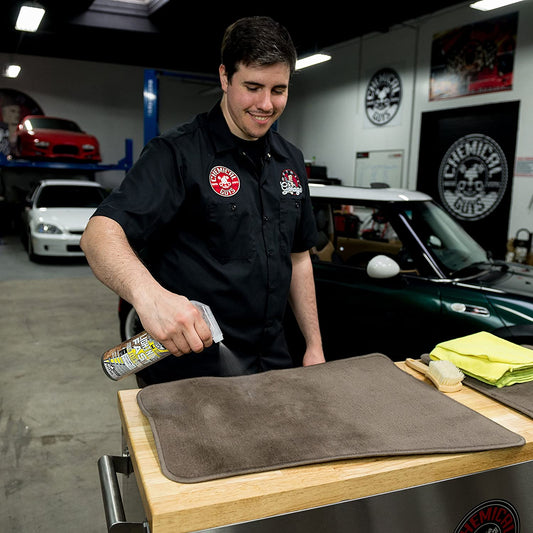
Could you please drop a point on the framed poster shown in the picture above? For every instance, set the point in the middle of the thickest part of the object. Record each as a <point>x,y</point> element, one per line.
<point>477,58</point>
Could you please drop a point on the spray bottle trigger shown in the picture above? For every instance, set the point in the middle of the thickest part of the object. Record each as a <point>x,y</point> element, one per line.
<point>208,316</point>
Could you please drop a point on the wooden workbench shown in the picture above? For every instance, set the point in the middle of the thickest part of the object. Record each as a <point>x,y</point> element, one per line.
<point>175,507</point>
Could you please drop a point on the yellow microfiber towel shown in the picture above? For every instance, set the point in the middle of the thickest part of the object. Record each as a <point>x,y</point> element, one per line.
<point>488,358</point>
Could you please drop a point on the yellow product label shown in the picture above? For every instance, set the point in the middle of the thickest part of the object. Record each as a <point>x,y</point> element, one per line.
<point>115,360</point>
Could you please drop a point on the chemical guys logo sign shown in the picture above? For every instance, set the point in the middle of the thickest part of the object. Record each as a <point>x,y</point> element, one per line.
<point>494,516</point>
<point>224,181</point>
<point>290,183</point>
<point>472,177</point>
<point>383,96</point>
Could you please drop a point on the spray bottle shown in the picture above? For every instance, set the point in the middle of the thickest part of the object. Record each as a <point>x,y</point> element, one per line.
<point>143,350</point>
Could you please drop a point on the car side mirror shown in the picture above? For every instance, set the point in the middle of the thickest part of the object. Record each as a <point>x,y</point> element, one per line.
<point>382,267</point>
<point>435,242</point>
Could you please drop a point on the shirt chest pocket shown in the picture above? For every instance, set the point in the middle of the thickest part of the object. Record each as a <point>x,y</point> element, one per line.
<point>231,232</point>
<point>289,221</point>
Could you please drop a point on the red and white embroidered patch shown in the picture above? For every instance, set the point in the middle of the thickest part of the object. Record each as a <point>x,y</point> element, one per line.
<point>224,181</point>
<point>290,183</point>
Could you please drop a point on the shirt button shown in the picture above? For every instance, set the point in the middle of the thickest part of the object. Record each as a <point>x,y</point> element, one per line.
<point>265,218</point>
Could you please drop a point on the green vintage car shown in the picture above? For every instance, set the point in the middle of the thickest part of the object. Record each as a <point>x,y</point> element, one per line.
<point>396,274</point>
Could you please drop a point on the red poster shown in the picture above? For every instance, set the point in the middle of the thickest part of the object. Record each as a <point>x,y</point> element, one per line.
<point>474,59</point>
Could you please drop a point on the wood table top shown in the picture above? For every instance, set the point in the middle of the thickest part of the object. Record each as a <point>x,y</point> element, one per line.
<point>178,507</point>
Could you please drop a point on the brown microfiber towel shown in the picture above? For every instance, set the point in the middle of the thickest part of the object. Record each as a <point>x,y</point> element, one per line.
<point>207,428</point>
<point>518,396</point>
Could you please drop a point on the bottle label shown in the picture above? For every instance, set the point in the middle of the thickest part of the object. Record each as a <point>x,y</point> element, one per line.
<point>132,355</point>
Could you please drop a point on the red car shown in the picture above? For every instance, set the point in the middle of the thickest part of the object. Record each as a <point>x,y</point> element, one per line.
<point>43,137</point>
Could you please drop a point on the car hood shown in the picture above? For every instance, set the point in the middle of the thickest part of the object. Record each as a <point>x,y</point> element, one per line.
<point>72,218</point>
<point>511,278</point>
<point>59,135</point>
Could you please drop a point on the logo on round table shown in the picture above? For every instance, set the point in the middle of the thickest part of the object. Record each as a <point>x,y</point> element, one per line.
<point>383,96</point>
<point>493,516</point>
<point>472,177</point>
<point>224,181</point>
<point>290,182</point>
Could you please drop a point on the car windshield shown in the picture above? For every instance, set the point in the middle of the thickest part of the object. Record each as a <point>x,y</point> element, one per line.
<point>70,196</point>
<point>49,123</point>
<point>451,245</point>
<point>352,232</point>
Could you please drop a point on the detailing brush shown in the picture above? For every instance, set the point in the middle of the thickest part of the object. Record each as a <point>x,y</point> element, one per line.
<point>443,374</point>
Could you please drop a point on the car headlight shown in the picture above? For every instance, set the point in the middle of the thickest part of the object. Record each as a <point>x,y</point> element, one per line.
<point>47,228</point>
<point>41,144</point>
<point>87,147</point>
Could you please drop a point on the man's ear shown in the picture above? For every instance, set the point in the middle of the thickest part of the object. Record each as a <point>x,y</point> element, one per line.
<point>223,77</point>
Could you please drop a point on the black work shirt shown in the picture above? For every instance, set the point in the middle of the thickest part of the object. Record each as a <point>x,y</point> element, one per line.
<point>218,228</point>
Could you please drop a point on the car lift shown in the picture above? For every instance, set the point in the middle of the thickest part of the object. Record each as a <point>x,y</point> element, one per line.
<point>151,96</point>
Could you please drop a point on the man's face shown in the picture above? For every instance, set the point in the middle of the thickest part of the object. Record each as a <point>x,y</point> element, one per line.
<point>255,98</point>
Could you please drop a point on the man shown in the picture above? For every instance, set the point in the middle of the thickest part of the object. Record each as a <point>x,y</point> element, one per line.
<point>220,213</point>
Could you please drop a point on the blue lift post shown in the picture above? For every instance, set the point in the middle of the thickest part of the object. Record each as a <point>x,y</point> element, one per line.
<point>151,104</point>
<point>151,96</point>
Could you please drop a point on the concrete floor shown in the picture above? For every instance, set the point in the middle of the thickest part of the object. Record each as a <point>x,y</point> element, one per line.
<point>58,411</point>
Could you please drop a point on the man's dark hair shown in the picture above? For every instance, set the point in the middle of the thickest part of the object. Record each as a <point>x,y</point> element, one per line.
<point>257,41</point>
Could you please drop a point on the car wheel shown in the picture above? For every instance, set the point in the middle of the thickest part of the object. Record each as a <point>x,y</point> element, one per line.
<point>131,325</point>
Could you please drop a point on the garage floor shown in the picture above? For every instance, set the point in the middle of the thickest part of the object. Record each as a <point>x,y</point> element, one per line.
<point>58,411</point>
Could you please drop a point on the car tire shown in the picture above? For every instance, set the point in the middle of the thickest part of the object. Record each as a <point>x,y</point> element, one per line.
<point>131,325</point>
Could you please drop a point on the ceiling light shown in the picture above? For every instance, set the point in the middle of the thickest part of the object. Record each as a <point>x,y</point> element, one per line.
<point>488,5</point>
<point>30,16</point>
<point>10,70</point>
<point>311,60</point>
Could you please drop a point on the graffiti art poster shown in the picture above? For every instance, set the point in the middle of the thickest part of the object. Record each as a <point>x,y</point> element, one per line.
<point>474,59</point>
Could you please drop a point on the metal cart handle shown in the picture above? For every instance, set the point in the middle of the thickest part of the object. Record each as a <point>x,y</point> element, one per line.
<point>108,466</point>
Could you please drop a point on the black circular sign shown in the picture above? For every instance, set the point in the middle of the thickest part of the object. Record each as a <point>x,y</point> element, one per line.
<point>473,177</point>
<point>493,516</point>
<point>383,96</point>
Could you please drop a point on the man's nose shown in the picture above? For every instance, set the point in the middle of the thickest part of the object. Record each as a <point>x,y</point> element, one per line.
<point>265,101</point>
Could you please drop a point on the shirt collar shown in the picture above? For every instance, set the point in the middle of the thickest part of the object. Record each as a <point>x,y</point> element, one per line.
<point>224,141</point>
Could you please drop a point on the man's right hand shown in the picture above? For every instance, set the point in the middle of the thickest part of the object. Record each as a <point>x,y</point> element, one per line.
<point>175,322</point>
<point>171,319</point>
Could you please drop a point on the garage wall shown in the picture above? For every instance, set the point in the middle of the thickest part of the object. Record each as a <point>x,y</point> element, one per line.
<point>326,114</point>
<point>105,100</point>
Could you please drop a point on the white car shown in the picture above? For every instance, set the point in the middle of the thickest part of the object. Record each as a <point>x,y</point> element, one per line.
<point>56,214</point>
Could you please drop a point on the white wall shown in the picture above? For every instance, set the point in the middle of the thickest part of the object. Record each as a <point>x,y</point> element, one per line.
<point>326,114</point>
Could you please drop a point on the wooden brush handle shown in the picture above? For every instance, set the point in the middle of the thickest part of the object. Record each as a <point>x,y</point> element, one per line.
<point>417,365</point>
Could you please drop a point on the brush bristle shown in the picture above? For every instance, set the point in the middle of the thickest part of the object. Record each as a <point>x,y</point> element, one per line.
<point>445,372</point>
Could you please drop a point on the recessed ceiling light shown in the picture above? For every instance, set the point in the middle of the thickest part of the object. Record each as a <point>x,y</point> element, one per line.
<point>488,5</point>
<point>311,60</point>
<point>10,70</point>
<point>30,16</point>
